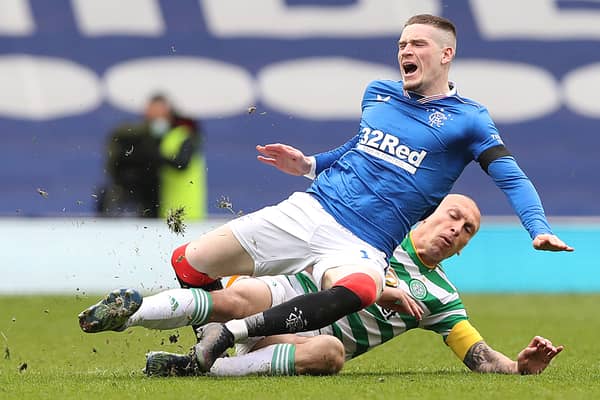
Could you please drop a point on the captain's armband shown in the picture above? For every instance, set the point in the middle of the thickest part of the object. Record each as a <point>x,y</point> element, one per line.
<point>462,336</point>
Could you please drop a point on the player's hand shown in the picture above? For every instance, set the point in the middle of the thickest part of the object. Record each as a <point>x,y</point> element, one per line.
<point>549,242</point>
<point>285,158</point>
<point>398,300</point>
<point>534,358</point>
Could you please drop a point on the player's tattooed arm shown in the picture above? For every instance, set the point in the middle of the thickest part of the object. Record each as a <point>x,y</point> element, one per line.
<point>533,359</point>
<point>482,358</point>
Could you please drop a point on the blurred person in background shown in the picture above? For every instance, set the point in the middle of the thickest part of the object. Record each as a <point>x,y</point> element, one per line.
<point>132,169</point>
<point>181,174</point>
<point>156,166</point>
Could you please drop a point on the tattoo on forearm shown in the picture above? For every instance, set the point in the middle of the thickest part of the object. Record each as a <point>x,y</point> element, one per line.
<point>477,356</point>
<point>482,358</point>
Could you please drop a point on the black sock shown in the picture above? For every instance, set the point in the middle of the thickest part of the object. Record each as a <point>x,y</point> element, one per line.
<point>305,313</point>
<point>216,285</point>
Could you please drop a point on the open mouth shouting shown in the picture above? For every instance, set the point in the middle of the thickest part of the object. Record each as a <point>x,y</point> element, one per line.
<point>409,69</point>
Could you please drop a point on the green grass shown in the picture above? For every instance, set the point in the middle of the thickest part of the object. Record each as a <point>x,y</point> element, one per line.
<point>63,363</point>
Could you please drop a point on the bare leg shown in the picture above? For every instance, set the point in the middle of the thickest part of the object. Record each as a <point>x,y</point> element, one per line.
<point>315,355</point>
<point>181,307</point>
<point>244,298</point>
<point>219,253</point>
<point>332,275</point>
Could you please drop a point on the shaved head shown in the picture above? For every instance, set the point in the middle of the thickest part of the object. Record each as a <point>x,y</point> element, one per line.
<point>448,230</point>
<point>463,200</point>
<point>442,24</point>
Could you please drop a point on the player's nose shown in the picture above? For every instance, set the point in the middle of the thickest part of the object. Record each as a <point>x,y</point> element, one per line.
<point>406,50</point>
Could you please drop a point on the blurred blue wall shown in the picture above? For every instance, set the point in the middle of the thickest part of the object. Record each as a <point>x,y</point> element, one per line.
<point>86,255</point>
<point>72,70</point>
<point>501,259</point>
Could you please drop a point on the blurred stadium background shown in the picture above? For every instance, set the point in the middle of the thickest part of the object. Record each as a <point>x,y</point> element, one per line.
<point>71,70</point>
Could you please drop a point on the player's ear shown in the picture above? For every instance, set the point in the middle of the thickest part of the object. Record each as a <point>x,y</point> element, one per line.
<point>447,55</point>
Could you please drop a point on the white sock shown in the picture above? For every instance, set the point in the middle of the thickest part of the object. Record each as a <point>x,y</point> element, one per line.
<point>238,328</point>
<point>276,359</point>
<point>173,309</point>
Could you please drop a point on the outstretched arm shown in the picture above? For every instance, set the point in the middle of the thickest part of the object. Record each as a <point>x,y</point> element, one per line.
<point>525,201</point>
<point>285,158</point>
<point>292,161</point>
<point>533,359</point>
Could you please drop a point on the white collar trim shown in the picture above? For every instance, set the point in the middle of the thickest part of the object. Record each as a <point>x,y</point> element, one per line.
<point>426,99</point>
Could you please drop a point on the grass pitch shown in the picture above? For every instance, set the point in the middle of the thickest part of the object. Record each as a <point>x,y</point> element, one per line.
<point>46,356</point>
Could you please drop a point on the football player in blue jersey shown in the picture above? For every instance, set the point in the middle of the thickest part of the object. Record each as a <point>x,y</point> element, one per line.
<point>414,140</point>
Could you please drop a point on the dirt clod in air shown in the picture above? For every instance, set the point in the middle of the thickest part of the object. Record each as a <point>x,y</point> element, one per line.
<point>175,220</point>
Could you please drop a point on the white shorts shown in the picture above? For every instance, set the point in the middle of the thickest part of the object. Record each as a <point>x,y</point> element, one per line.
<point>287,238</point>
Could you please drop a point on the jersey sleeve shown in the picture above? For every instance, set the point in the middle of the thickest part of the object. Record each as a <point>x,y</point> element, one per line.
<point>488,149</point>
<point>324,160</point>
<point>521,194</point>
<point>445,315</point>
<point>452,323</point>
<point>483,134</point>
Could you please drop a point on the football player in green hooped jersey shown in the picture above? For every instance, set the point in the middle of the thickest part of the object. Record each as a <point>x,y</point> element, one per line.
<point>418,295</point>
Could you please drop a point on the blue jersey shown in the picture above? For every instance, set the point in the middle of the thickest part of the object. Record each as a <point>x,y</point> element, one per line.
<point>404,160</point>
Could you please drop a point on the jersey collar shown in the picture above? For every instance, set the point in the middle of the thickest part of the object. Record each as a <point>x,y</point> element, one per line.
<point>409,246</point>
<point>426,99</point>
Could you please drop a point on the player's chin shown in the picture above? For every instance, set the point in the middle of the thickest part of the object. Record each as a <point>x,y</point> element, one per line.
<point>437,252</point>
<point>411,84</point>
<point>446,250</point>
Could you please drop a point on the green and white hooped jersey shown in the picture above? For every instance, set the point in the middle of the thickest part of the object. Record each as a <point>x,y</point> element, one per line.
<point>441,304</point>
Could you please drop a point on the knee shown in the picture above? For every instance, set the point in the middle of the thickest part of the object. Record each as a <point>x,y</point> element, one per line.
<point>328,356</point>
<point>200,255</point>
<point>187,275</point>
<point>335,355</point>
<point>362,285</point>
